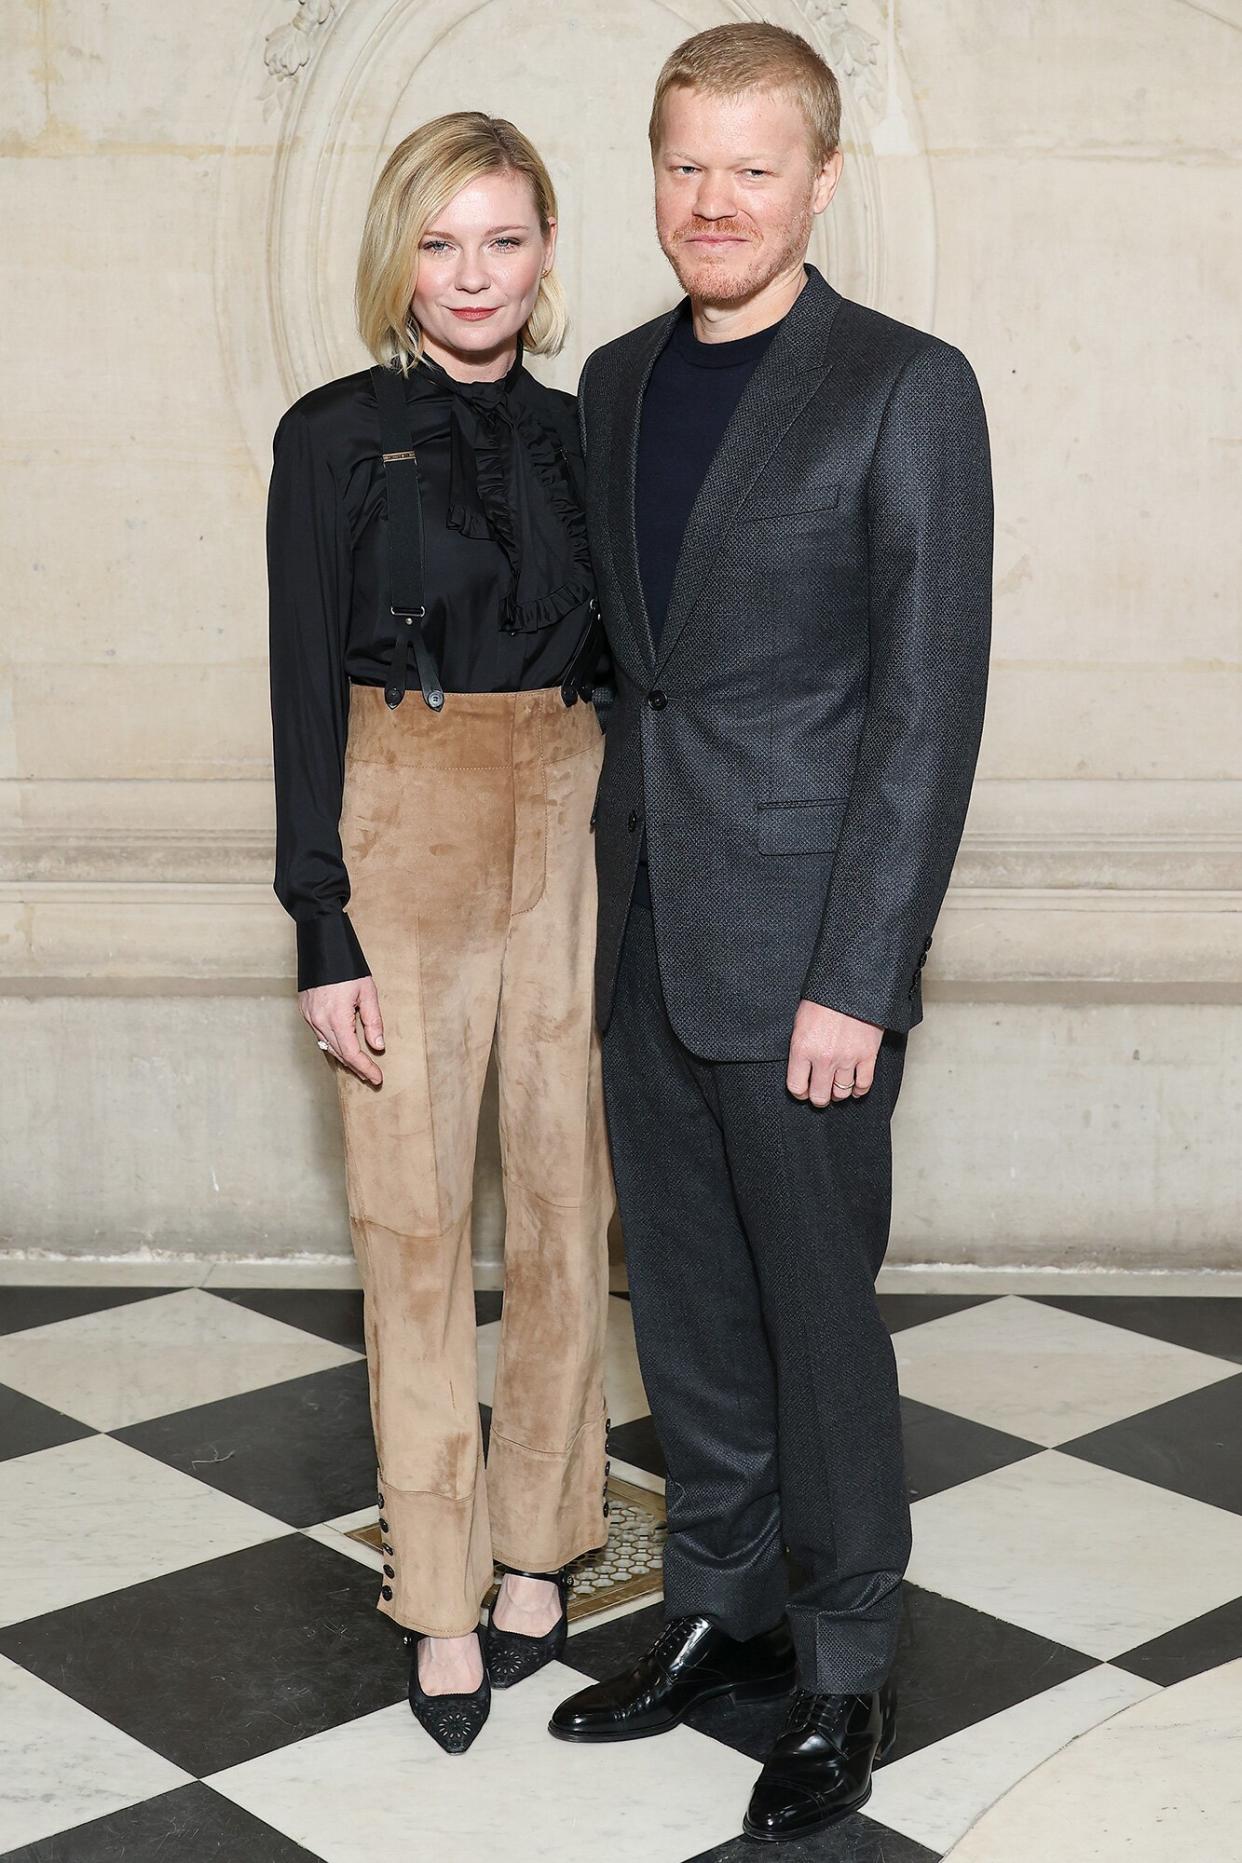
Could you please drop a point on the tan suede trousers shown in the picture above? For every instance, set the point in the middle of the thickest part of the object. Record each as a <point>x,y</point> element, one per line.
<point>467,839</point>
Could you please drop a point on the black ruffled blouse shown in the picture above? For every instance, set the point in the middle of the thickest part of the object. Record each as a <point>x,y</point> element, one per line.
<point>508,587</point>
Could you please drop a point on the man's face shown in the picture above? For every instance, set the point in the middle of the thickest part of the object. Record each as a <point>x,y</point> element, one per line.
<point>736,190</point>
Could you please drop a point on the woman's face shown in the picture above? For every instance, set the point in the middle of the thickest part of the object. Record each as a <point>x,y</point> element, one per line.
<point>480,263</point>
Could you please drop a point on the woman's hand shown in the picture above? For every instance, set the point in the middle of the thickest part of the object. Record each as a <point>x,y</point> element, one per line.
<point>332,1010</point>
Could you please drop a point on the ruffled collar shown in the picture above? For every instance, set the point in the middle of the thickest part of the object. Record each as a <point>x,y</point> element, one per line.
<point>509,482</point>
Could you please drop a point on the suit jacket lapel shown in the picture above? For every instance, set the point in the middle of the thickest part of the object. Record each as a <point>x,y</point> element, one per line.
<point>622,470</point>
<point>792,368</point>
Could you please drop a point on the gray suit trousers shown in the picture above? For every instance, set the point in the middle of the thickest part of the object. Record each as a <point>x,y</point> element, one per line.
<point>755,1225</point>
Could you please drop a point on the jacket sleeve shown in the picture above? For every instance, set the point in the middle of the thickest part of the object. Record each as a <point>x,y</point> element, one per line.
<point>309,585</point>
<point>930,529</point>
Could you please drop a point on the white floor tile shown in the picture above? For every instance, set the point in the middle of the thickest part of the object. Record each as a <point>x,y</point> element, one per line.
<point>1043,1374</point>
<point>1090,1558</point>
<point>129,1363</point>
<point>935,1795</point>
<point>378,1787</point>
<point>64,1765</point>
<point>623,1386</point>
<point>94,1515</point>
<point>1159,1783</point>
<point>357,1550</point>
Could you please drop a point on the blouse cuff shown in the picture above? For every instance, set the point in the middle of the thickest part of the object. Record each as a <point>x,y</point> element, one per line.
<point>328,951</point>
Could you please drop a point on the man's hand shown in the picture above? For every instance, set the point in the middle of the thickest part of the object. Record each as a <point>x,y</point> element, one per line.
<point>331,1011</point>
<point>831,1055</point>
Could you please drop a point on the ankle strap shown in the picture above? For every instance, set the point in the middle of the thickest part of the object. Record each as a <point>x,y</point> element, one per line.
<point>563,1576</point>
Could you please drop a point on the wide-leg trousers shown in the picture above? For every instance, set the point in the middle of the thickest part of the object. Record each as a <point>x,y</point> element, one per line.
<point>755,1225</point>
<point>466,835</point>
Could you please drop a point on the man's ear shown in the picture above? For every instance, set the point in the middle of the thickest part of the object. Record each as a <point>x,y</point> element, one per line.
<point>826,181</point>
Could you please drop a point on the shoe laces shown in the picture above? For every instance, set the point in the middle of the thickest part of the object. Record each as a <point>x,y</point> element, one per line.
<point>671,1640</point>
<point>818,1713</point>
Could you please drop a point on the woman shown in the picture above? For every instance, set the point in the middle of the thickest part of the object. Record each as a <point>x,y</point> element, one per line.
<point>432,625</point>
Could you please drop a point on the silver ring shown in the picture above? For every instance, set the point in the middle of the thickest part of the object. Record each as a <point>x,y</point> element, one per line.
<point>324,1046</point>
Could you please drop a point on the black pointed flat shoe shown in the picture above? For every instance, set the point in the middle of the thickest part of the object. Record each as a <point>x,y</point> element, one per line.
<point>453,1721</point>
<point>819,1770</point>
<point>511,1656</point>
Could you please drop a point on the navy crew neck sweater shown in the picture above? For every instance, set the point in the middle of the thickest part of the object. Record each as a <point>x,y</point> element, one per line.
<point>691,394</point>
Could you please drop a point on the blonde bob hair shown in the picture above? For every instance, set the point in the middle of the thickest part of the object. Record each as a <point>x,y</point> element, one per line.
<point>421,176</point>
<point>752,54</point>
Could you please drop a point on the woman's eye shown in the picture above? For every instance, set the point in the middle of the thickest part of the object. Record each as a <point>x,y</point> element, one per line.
<point>433,245</point>
<point>509,243</point>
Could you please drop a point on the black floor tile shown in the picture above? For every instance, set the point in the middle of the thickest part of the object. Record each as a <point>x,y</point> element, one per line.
<point>26,1425</point>
<point>21,1307</point>
<point>956,1666</point>
<point>488,1304</point>
<point>192,1824</point>
<point>638,1443</point>
<point>1210,1323</point>
<point>1191,1445</point>
<point>902,1310</point>
<point>301,1450</point>
<point>226,1659</point>
<point>943,1450</point>
<point>855,1840</point>
<point>608,1648</point>
<point>333,1313</point>
<point>1204,1643</point>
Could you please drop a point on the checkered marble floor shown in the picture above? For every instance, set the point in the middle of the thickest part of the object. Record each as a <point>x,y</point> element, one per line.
<point>192,1667</point>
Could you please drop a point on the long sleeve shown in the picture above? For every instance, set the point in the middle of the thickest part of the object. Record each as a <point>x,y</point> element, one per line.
<point>930,523</point>
<point>309,585</point>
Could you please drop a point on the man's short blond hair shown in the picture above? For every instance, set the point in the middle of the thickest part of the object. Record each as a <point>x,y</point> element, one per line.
<point>725,61</point>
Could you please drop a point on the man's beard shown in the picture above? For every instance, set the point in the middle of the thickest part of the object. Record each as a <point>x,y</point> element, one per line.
<point>710,282</point>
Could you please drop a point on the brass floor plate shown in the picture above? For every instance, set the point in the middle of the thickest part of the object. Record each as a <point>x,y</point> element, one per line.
<point>628,1567</point>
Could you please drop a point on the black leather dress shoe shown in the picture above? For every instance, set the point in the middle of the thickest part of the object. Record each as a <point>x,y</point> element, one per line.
<point>820,1767</point>
<point>690,1661</point>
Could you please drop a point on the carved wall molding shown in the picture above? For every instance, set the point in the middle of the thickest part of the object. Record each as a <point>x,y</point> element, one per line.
<point>287,49</point>
<point>1034,866</point>
<point>355,75</point>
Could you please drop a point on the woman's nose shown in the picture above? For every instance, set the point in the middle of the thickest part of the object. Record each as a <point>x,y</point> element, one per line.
<point>471,275</point>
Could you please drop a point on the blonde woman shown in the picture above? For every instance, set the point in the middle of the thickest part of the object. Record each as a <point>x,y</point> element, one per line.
<point>433,632</point>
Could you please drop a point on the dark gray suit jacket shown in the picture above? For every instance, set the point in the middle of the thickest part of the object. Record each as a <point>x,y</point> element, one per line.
<point>801,749</point>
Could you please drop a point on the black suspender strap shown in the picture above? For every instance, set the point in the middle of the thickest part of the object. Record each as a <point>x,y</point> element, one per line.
<point>406,567</point>
<point>578,679</point>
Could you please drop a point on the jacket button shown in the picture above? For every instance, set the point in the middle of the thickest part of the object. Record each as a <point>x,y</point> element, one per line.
<point>657,700</point>
<point>632,820</point>
<point>383,1525</point>
<point>385,1591</point>
<point>389,1572</point>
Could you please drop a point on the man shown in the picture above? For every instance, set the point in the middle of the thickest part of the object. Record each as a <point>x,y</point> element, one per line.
<point>790,513</point>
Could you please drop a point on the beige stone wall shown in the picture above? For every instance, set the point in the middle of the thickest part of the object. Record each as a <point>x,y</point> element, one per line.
<point>1053,187</point>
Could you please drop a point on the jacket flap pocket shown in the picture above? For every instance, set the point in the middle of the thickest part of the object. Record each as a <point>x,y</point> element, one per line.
<point>811,827</point>
<point>798,509</point>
